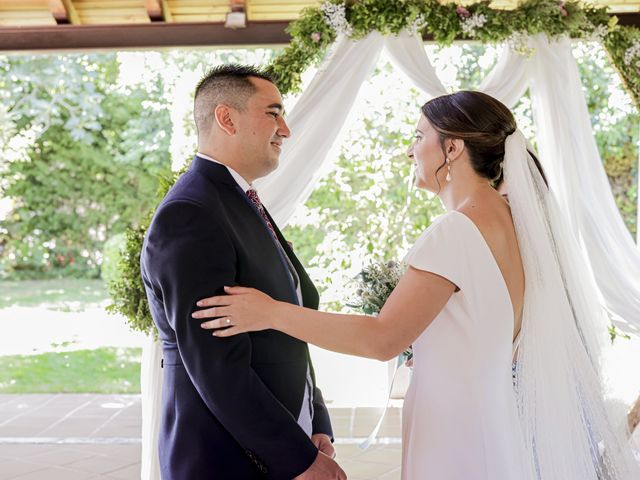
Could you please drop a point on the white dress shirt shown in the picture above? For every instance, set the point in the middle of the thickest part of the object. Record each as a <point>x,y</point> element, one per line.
<point>244,185</point>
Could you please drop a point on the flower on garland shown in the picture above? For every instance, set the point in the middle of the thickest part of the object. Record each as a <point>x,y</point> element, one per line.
<point>316,37</point>
<point>597,34</point>
<point>632,54</point>
<point>463,12</point>
<point>418,25</point>
<point>471,24</point>
<point>336,17</point>
<point>518,41</point>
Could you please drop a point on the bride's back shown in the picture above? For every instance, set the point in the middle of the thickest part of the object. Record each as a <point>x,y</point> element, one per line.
<point>491,214</point>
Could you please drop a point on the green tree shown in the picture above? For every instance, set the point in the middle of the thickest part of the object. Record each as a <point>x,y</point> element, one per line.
<point>90,170</point>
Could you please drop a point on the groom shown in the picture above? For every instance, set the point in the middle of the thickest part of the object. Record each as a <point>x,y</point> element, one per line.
<point>245,407</point>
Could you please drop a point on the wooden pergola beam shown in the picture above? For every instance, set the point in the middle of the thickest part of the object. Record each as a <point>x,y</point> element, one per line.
<point>150,35</point>
<point>158,34</point>
<point>59,11</point>
<point>166,11</point>
<point>154,10</point>
<point>629,19</point>
<point>63,11</point>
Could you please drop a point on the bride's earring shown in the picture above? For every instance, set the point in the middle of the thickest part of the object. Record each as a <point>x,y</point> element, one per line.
<point>448,177</point>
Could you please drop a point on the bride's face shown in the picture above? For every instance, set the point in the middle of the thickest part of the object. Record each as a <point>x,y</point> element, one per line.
<point>427,156</point>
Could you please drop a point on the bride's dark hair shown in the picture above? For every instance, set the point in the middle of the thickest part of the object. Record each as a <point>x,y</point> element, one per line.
<point>482,122</point>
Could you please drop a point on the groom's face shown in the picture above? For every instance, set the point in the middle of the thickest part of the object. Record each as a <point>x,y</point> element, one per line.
<point>426,153</point>
<point>262,128</point>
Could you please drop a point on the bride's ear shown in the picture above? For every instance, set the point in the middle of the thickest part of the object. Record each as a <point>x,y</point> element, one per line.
<point>453,148</point>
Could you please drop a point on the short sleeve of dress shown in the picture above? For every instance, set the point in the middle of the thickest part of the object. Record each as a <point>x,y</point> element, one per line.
<point>443,248</point>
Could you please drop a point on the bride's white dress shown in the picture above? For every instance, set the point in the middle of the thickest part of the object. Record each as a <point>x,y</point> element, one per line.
<point>460,420</point>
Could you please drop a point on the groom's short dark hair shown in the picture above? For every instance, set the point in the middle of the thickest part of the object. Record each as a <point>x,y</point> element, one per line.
<point>228,84</point>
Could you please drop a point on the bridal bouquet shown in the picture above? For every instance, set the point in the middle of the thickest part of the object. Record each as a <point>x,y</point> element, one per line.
<point>374,285</point>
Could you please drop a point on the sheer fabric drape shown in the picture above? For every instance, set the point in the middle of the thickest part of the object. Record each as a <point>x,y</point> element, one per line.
<point>569,154</point>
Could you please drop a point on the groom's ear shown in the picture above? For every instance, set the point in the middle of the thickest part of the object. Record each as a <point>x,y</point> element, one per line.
<point>223,115</point>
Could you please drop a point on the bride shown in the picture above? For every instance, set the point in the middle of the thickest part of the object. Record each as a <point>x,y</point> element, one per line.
<point>483,274</point>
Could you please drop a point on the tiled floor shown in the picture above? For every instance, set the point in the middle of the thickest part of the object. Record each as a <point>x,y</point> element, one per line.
<point>69,437</point>
<point>77,437</point>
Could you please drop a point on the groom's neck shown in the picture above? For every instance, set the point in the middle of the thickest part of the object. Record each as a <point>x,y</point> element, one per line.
<point>229,159</point>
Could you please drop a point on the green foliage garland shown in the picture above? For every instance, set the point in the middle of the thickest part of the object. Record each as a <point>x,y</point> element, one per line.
<point>72,161</point>
<point>618,43</point>
<point>312,35</point>
<point>127,291</point>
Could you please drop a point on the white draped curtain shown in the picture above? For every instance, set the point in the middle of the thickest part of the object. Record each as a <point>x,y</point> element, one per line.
<point>567,151</point>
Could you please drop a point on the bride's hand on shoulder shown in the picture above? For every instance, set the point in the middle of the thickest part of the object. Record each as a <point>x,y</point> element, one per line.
<point>241,310</point>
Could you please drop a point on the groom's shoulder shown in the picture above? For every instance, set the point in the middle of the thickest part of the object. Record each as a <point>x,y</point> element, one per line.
<point>193,187</point>
<point>187,200</point>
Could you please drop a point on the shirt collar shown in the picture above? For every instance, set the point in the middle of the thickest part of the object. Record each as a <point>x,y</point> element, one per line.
<point>236,176</point>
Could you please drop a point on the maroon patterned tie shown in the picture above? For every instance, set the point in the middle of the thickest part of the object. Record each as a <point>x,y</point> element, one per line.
<point>255,199</point>
<point>253,196</point>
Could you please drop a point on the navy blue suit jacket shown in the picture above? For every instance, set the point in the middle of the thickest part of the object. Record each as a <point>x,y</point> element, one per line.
<point>230,405</point>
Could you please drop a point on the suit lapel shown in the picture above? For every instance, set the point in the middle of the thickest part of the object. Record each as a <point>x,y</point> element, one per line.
<point>280,251</point>
<point>218,173</point>
<point>310,297</point>
<point>215,172</point>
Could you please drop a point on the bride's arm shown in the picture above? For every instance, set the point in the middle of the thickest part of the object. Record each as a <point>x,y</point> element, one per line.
<point>412,306</point>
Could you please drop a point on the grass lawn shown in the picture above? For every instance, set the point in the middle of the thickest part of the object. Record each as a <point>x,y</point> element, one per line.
<point>65,294</point>
<point>104,370</point>
<point>101,370</point>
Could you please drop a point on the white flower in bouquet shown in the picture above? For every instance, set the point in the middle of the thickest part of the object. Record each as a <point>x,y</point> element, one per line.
<point>374,286</point>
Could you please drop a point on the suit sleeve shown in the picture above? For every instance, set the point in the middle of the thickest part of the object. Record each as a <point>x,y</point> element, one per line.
<point>194,258</point>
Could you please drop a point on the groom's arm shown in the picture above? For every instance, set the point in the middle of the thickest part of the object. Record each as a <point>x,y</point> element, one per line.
<point>193,258</point>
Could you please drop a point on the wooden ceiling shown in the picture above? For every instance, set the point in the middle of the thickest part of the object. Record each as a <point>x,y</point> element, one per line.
<point>101,12</point>
<point>87,24</point>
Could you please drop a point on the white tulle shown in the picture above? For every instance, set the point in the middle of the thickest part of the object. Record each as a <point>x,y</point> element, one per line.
<point>568,430</point>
